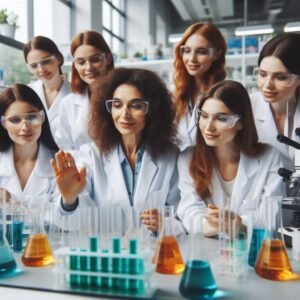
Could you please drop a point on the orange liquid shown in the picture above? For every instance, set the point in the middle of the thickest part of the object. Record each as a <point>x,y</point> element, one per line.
<point>37,252</point>
<point>168,258</point>
<point>273,262</point>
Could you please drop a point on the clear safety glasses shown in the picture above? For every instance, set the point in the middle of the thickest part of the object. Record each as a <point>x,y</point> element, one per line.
<point>280,79</point>
<point>199,52</point>
<point>31,119</point>
<point>221,121</point>
<point>136,107</point>
<point>45,62</point>
<point>80,62</point>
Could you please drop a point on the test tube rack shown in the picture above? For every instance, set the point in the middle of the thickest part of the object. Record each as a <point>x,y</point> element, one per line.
<point>105,271</point>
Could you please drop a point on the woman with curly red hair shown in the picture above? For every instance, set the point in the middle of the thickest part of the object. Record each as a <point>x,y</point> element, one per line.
<point>199,63</point>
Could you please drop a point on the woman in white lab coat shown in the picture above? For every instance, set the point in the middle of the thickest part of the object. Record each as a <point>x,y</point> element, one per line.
<point>199,63</point>
<point>26,144</point>
<point>227,161</point>
<point>132,161</point>
<point>92,59</point>
<point>276,107</point>
<point>45,61</point>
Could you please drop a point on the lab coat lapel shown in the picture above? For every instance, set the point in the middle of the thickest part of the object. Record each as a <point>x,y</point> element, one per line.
<point>147,172</point>
<point>247,169</point>
<point>113,170</point>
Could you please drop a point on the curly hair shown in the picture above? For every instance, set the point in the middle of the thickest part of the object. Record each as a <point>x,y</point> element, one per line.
<point>45,44</point>
<point>160,129</point>
<point>91,38</point>
<point>203,161</point>
<point>183,81</point>
<point>22,92</point>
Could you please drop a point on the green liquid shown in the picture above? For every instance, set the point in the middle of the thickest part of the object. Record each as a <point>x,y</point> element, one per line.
<point>197,281</point>
<point>7,262</point>
<point>257,239</point>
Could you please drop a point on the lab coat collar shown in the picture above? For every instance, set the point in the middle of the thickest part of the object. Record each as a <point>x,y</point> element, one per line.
<point>263,111</point>
<point>42,167</point>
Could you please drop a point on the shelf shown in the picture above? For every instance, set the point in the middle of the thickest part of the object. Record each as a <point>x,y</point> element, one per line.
<point>11,42</point>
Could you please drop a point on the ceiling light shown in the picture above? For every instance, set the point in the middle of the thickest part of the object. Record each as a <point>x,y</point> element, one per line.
<point>292,26</point>
<point>175,38</point>
<point>252,30</point>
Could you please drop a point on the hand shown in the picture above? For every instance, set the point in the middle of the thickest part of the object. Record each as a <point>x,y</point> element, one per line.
<point>213,219</point>
<point>7,195</point>
<point>151,218</point>
<point>69,180</point>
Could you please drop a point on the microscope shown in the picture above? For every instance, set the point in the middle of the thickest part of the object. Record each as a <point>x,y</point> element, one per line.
<point>291,204</point>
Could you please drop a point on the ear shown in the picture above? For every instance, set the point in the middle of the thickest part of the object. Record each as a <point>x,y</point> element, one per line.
<point>217,54</point>
<point>239,125</point>
<point>108,59</point>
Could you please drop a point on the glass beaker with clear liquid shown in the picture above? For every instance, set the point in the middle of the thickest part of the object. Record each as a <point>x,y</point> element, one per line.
<point>7,262</point>
<point>37,252</point>
<point>273,262</point>
<point>167,255</point>
<point>197,281</point>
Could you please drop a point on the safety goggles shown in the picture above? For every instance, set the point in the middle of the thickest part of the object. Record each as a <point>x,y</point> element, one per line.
<point>45,62</point>
<point>31,119</point>
<point>95,59</point>
<point>137,107</point>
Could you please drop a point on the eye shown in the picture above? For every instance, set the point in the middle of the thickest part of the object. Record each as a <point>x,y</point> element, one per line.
<point>282,76</point>
<point>33,65</point>
<point>202,51</point>
<point>223,118</point>
<point>261,73</point>
<point>138,105</point>
<point>203,115</point>
<point>45,61</point>
<point>14,120</point>
<point>79,61</point>
<point>117,104</point>
<point>31,118</point>
<point>186,50</point>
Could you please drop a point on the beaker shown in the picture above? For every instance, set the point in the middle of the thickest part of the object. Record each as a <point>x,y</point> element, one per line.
<point>197,281</point>
<point>273,262</point>
<point>37,252</point>
<point>7,262</point>
<point>167,255</point>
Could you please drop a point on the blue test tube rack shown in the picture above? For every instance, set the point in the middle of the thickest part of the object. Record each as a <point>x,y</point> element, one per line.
<point>115,271</point>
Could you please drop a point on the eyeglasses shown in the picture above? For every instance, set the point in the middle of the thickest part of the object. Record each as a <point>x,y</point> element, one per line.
<point>31,119</point>
<point>280,79</point>
<point>185,50</point>
<point>136,107</point>
<point>220,120</point>
<point>47,61</point>
<point>80,62</point>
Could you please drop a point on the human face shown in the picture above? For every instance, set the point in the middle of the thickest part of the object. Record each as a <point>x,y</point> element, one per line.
<point>198,55</point>
<point>22,124</point>
<point>218,125</point>
<point>43,65</point>
<point>127,122</point>
<point>90,63</point>
<point>275,82</point>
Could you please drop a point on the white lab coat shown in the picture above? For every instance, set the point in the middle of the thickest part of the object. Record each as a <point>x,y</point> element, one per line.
<point>267,131</point>
<point>255,176</point>
<point>53,111</point>
<point>187,128</point>
<point>157,181</point>
<point>73,122</point>
<point>41,181</point>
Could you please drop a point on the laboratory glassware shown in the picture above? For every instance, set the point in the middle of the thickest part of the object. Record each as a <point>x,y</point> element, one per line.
<point>167,255</point>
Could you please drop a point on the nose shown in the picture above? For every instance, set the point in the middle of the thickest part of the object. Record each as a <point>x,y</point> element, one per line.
<point>210,125</point>
<point>125,111</point>
<point>40,67</point>
<point>88,65</point>
<point>269,82</point>
<point>24,124</point>
<point>193,55</point>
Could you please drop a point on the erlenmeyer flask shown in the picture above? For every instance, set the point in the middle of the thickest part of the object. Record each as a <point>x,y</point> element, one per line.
<point>7,262</point>
<point>167,255</point>
<point>197,281</point>
<point>273,262</point>
<point>37,252</point>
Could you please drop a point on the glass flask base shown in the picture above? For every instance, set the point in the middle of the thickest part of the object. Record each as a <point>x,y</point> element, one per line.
<point>197,281</point>
<point>7,262</point>
<point>37,252</point>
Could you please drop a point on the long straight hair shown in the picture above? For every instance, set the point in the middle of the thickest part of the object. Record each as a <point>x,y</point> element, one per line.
<point>204,160</point>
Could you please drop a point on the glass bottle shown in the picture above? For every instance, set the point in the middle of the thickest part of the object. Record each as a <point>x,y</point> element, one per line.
<point>7,262</point>
<point>273,262</point>
<point>37,252</point>
<point>197,281</point>
<point>167,255</point>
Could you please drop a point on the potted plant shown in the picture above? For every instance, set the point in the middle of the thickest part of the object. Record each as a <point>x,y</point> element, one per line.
<point>8,23</point>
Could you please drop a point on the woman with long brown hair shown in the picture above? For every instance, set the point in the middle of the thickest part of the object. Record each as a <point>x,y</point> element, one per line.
<point>227,161</point>
<point>199,63</point>
<point>92,60</point>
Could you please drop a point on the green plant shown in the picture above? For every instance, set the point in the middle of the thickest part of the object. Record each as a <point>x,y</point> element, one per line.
<point>8,17</point>
<point>138,54</point>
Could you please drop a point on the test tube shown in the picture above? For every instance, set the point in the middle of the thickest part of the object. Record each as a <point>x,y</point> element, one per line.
<point>74,266</point>
<point>94,261</point>
<point>105,281</point>
<point>116,263</point>
<point>83,266</point>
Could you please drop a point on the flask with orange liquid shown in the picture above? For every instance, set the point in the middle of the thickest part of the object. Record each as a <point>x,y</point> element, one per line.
<point>273,262</point>
<point>167,255</point>
<point>37,252</point>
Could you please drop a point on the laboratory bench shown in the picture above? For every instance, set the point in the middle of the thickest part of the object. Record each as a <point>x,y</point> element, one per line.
<point>40,283</point>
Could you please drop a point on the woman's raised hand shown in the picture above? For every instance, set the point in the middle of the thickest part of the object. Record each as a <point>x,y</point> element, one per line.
<point>69,180</point>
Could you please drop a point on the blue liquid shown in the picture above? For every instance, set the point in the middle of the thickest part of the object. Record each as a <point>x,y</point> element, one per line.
<point>197,281</point>
<point>255,245</point>
<point>7,262</point>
